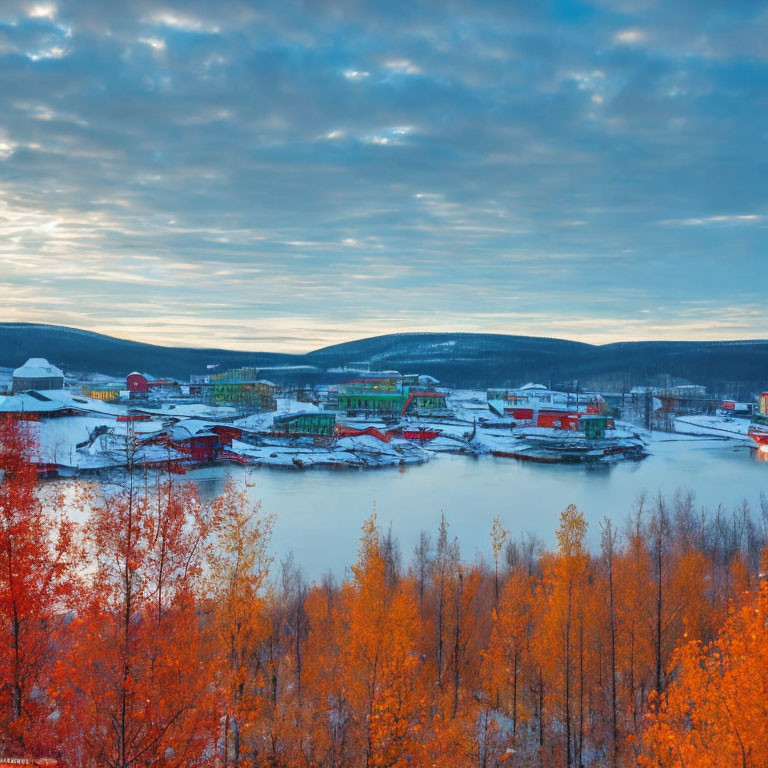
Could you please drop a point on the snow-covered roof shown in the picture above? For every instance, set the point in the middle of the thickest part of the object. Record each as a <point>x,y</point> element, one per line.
<point>531,385</point>
<point>37,368</point>
<point>23,402</point>
<point>195,426</point>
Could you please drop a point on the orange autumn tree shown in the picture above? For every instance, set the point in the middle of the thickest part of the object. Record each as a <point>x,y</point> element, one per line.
<point>715,712</point>
<point>133,686</point>
<point>506,656</point>
<point>39,558</point>
<point>558,641</point>
<point>323,739</point>
<point>377,632</point>
<point>239,569</point>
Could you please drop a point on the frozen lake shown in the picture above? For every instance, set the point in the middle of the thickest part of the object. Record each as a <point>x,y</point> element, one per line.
<point>319,513</point>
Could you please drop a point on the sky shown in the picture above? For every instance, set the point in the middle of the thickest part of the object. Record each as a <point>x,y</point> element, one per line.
<point>285,175</point>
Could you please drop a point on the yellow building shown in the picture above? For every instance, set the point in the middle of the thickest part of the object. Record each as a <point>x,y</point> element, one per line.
<point>107,394</point>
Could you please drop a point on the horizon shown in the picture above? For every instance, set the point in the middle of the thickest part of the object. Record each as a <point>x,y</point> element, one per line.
<point>763,340</point>
<point>295,176</point>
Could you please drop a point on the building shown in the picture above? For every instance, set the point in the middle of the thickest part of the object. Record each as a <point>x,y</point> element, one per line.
<point>558,419</point>
<point>763,407</point>
<point>137,384</point>
<point>374,384</point>
<point>426,403</point>
<point>241,386</point>
<point>683,390</point>
<point>194,438</point>
<point>309,423</point>
<point>371,401</point>
<point>419,380</point>
<point>109,394</point>
<point>37,373</point>
<point>140,385</point>
<point>536,397</point>
<point>593,426</point>
<point>735,408</point>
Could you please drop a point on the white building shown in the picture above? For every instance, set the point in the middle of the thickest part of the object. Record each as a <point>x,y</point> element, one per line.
<point>37,373</point>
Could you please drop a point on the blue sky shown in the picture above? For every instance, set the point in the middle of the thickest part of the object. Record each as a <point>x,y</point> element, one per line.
<point>285,175</point>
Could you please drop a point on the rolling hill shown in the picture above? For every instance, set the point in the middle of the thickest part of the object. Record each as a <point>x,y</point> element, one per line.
<point>739,368</point>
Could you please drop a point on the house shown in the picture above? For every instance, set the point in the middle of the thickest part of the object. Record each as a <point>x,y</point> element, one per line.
<point>194,438</point>
<point>310,423</point>
<point>37,373</point>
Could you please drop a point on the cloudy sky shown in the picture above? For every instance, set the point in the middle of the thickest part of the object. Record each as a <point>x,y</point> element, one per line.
<point>283,175</point>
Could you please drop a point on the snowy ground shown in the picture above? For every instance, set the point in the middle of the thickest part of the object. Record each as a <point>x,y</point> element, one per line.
<point>724,427</point>
<point>190,411</point>
<point>263,421</point>
<point>58,437</point>
<point>363,451</point>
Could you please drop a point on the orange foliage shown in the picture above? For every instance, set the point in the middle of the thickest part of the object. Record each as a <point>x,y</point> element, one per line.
<point>174,644</point>
<point>39,558</point>
<point>715,713</point>
<point>133,684</point>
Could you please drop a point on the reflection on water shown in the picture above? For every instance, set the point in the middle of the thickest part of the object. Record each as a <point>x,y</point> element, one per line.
<point>319,513</point>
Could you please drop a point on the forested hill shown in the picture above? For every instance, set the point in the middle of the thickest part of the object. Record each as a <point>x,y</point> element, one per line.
<point>469,359</point>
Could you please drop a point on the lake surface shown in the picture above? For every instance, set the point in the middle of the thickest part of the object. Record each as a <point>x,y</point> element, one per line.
<point>319,512</point>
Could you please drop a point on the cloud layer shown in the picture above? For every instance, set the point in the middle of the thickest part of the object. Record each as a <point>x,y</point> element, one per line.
<point>285,175</point>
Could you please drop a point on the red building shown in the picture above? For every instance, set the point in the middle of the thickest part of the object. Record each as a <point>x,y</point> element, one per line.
<point>520,414</point>
<point>198,447</point>
<point>227,433</point>
<point>558,419</point>
<point>137,383</point>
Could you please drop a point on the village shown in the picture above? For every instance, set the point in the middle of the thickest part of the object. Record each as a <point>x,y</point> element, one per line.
<point>84,423</point>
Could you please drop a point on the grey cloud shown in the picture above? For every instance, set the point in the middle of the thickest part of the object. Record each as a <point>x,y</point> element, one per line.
<point>539,158</point>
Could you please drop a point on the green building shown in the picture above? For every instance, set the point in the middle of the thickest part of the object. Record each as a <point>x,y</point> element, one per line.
<point>593,426</point>
<point>311,423</point>
<point>239,386</point>
<point>371,401</point>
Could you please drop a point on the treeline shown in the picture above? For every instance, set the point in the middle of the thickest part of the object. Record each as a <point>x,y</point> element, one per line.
<point>161,633</point>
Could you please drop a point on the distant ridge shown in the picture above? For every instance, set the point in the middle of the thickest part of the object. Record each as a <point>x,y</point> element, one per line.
<point>739,368</point>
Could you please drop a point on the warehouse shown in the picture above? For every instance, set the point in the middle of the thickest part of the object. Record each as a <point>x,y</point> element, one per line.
<point>37,373</point>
